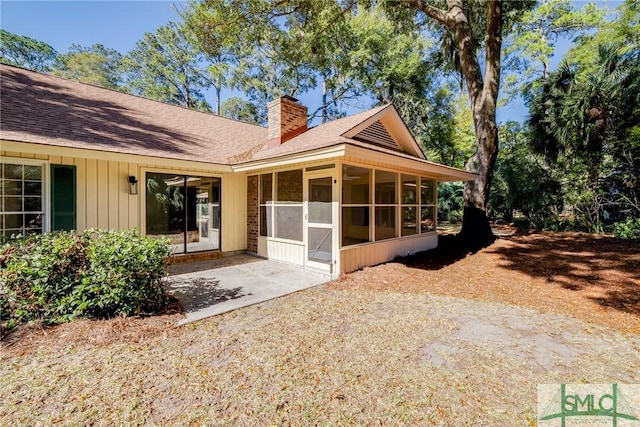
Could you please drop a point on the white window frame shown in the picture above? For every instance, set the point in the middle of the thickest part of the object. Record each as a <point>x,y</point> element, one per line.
<point>45,164</point>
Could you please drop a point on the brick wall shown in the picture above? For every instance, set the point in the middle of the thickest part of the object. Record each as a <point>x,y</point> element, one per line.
<point>287,118</point>
<point>289,186</point>
<point>252,213</point>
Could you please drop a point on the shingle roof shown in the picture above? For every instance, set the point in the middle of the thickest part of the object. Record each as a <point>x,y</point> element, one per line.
<point>43,109</point>
<point>320,136</point>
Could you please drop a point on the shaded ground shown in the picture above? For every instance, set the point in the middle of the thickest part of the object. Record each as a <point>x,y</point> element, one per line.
<point>421,343</point>
<point>594,278</point>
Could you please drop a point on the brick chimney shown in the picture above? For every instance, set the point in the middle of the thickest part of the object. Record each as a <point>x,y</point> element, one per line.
<point>287,118</point>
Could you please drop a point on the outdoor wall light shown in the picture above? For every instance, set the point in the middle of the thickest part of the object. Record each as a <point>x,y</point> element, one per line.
<point>133,185</point>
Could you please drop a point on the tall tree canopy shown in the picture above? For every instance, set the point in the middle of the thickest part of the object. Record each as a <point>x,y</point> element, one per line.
<point>588,122</point>
<point>26,52</point>
<point>96,65</point>
<point>166,66</point>
<point>532,42</point>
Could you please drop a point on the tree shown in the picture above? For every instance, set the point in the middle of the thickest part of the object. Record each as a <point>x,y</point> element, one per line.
<point>25,52</point>
<point>587,123</point>
<point>452,133</point>
<point>238,109</point>
<point>219,45</point>
<point>623,31</point>
<point>96,65</point>
<point>472,27</point>
<point>393,64</point>
<point>533,40</point>
<point>265,57</point>
<point>524,181</point>
<point>166,66</point>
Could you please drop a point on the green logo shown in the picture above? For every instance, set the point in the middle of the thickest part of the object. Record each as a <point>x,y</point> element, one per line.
<point>580,404</point>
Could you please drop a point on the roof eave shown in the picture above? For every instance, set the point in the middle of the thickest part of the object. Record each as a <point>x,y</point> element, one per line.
<point>441,172</point>
<point>335,150</point>
<point>87,153</point>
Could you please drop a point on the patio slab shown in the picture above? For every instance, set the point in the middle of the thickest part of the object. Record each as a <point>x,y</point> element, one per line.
<point>209,288</point>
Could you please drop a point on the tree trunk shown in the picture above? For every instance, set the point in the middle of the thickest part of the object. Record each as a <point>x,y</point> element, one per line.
<point>483,93</point>
<point>476,231</point>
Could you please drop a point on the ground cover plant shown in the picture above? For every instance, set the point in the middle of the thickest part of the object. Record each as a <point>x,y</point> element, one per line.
<point>448,340</point>
<point>60,276</point>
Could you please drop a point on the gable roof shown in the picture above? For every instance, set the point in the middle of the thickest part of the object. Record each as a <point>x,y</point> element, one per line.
<point>360,129</point>
<point>43,109</point>
<point>321,136</point>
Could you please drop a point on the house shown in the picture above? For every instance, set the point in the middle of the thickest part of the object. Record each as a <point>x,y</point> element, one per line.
<point>351,193</point>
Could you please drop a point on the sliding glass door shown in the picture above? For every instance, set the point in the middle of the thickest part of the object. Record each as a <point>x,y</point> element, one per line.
<point>185,209</point>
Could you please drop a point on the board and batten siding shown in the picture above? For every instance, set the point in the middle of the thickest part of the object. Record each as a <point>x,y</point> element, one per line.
<point>280,250</point>
<point>103,199</point>
<point>369,254</point>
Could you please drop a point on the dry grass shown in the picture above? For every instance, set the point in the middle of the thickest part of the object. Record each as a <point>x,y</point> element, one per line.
<point>350,353</point>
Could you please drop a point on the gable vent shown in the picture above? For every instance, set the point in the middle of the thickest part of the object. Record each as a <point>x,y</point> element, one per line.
<point>376,134</point>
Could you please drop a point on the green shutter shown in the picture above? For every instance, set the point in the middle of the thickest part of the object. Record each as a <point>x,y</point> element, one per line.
<point>63,197</point>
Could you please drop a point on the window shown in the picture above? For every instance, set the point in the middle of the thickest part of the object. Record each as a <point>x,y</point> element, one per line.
<point>185,209</point>
<point>427,205</point>
<point>22,200</point>
<point>386,205</point>
<point>281,214</point>
<point>356,205</point>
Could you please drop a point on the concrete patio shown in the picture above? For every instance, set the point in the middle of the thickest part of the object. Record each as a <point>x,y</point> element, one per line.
<point>208,288</point>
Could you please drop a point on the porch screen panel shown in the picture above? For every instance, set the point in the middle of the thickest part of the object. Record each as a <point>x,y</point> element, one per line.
<point>386,202</point>
<point>266,205</point>
<point>356,205</point>
<point>409,208</point>
<point>281,206</point>
<point>427,205</point>
<point>288,208</point>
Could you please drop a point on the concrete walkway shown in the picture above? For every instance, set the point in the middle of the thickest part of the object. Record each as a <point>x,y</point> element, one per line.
<point>208,288</point>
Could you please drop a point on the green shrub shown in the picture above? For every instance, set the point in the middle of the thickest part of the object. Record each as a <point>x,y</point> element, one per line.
<point>64,275</point>
<point>450,201</point>
<point>627,229</point>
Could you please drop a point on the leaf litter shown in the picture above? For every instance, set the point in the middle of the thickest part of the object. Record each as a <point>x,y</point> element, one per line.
<point>464,344</point>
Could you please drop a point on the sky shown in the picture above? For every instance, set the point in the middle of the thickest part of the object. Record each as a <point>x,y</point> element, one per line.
<point>119,25</point>
<point>115,24</point>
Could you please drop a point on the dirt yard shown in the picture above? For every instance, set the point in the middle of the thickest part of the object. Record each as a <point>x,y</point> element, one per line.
<point>445,340</point>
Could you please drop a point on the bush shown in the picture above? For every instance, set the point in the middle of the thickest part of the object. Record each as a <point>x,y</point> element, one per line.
<point>450,201</point>
<point>56,277</point>
<point>627,229</point>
